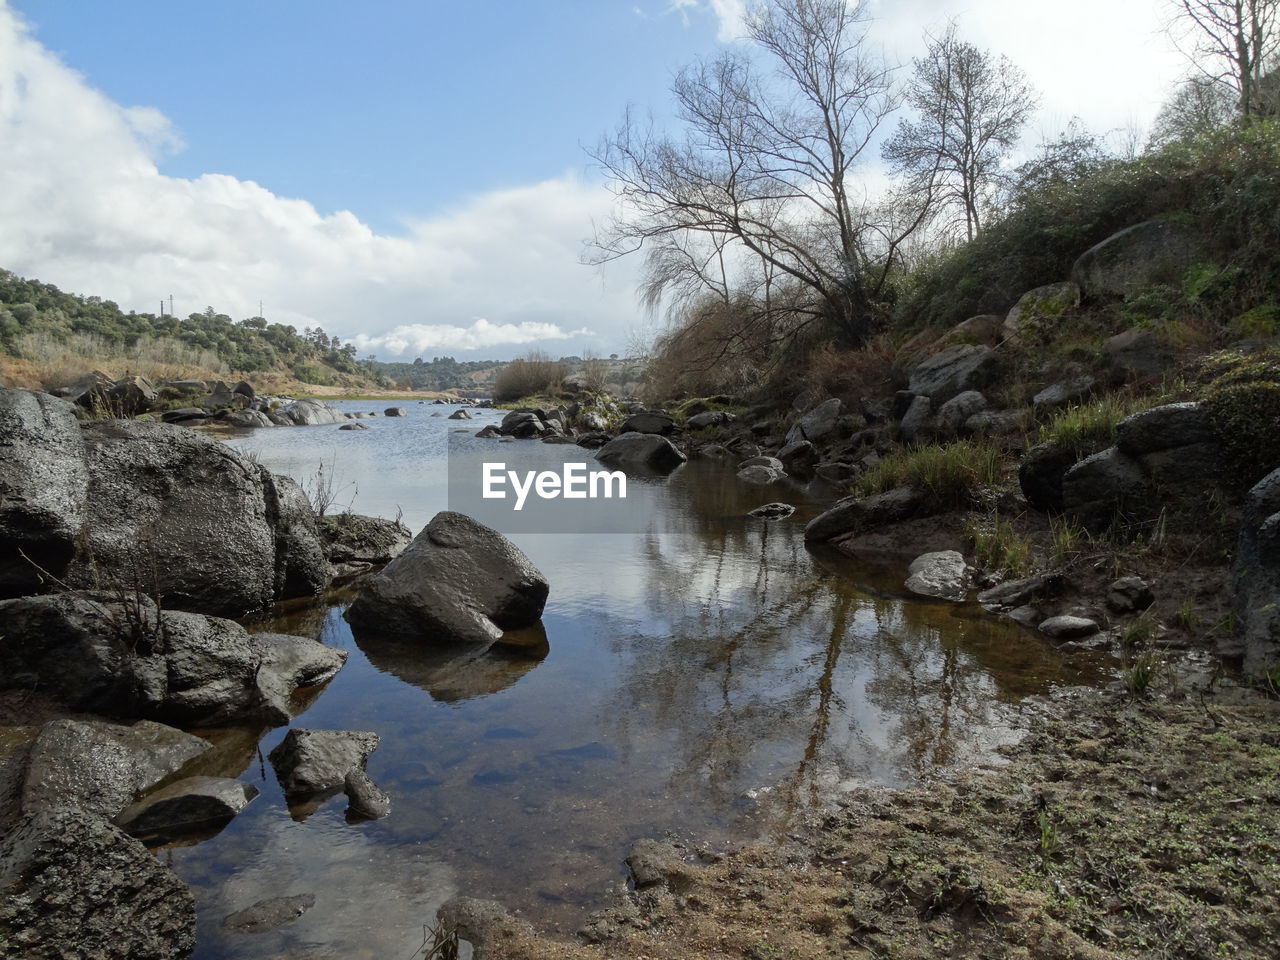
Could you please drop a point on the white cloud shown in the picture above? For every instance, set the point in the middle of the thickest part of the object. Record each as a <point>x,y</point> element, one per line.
<point>419,338</point>
<point>86,207</point>
<point>729,15</point>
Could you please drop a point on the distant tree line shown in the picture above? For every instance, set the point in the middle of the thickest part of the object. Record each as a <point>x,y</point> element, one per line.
<point>30,309</point>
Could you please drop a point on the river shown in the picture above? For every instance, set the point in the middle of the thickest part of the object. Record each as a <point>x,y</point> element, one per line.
<point>705,677</point>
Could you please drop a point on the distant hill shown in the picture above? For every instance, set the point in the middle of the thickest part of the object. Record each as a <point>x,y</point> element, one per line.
<point>48,338</point>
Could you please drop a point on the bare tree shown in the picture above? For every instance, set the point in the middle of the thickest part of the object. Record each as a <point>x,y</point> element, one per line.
<point>760,191</point>
<point>1198,105</point>
<point>970,107</point>
<point>1231,42</point>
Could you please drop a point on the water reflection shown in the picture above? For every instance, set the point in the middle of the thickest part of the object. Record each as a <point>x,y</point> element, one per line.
<point>682,670</point>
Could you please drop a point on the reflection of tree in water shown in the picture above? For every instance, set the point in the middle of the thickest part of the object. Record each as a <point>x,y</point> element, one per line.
<point>762,663</point>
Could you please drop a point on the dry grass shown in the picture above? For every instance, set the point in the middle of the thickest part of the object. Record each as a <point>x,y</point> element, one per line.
<point>49,362</point>
<point>850,374</point>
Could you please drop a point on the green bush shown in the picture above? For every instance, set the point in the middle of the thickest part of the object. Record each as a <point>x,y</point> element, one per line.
<point>1089,427</point>
<point>997,547</point>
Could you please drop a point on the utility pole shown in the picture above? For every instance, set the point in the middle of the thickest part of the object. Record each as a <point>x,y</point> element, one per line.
<point>171,304</point>
<point>162,308</point>
<point>260,310</point>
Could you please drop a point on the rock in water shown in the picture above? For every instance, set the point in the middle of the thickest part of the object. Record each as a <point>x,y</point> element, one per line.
<point>353,543</point>
<point>44,483</point>
<point>943,574</point>
<point>94,653</point>
<point>308,762</point>
<point>458,582</point>
<point>646,451</point>
<point>72,886</point>
<point>187,806</point>
<point>1068,628</point>
<point>773,511</point>
<point>367,801</point>
<point>268,914</point>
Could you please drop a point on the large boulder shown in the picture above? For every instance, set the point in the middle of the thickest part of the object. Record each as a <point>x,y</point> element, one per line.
<point>312,764</point>
<point>711,418</point>
<point>100,767</point>
<point>964,366</point>
<point>74,886</point>
<point>859,515</point>
<point>1178,447</point>
<point>457,582</point>
<point>1136,259</point>
<point>44,484</point>
<point>310,413</point>
<point>353,543</point>
<point>99,654</point>
<point>1257,578</point>
<point>178,515</point>
<point>1064,392</point>
<point>799,456</point>
<point>250,419</point>
<point>1040,308</point>
<point>817,423</point>
<point>643,451</point>
<point>1107,487</point>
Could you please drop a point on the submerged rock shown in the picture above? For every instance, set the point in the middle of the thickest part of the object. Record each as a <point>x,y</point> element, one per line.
<point>268,914</point>
<point>366,800</point>
<point>72,885</point>
<point>457,582</point>
<point>652,861</point>
<point>485,924</point>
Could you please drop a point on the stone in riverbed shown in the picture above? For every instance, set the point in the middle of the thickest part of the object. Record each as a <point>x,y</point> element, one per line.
<point>187,806</point>
<point>817,423</point>
<point>457,582</point>
<point>943,574</point>
<point>459,415</point>
<point>1068,628</point>
<point>395,412</point>
<point>309,413</point>
<point>268,914</point>
<point>773,511</point>
<point>652,861</point>
<point>760,474</point>
<point>365,800</point>
<point>72,885</point>
<point>309,762</point>
<point>353,426</point>
<point>646,451</point>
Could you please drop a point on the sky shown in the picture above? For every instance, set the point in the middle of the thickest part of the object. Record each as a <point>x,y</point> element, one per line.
<point>411,174</point>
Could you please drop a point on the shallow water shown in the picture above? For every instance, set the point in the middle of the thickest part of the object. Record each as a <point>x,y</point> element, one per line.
<point>700,678</point>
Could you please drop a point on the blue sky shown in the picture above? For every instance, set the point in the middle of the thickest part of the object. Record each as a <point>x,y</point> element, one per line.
<point>387,108</point>
<point>410,175</point>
